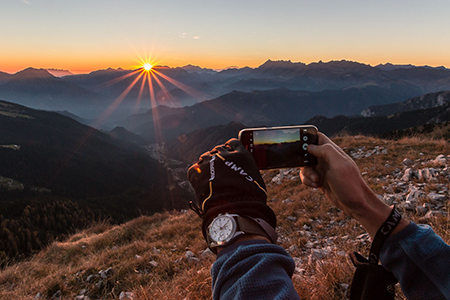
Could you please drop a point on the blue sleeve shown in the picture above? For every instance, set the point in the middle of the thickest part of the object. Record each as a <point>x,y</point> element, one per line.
<point>253,270</point>
<point>420,260</point>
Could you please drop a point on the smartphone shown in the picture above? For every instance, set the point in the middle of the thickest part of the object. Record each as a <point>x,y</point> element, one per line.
<point>280,147</point>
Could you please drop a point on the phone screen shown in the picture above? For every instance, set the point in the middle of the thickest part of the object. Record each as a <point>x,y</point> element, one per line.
<point>281,147</point>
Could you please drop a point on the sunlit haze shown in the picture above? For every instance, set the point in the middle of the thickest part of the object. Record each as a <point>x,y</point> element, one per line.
<point>82,36</point>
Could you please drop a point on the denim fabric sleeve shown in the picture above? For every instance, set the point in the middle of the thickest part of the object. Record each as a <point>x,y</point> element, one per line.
<point>253,270</point>
<point>420,260</point>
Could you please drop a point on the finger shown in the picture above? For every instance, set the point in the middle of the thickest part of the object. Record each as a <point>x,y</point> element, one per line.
<point>323,139</point>
<point>235,144</point>
<point>309,177</point>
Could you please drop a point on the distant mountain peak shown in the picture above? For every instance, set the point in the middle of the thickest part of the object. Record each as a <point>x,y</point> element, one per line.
<point>59,72</point>
<point>280,64</point>
<point>191,68</point>
<point>32,73</point>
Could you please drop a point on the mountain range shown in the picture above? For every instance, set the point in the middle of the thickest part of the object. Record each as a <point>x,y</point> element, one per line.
<point>92,95</point>
<point>428,109</point>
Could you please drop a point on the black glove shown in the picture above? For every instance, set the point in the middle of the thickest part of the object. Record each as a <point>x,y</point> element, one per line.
<point>226,180</point>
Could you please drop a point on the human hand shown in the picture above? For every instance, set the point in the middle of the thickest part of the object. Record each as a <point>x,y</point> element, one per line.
<point>226,179</point>
<point>339,178</point>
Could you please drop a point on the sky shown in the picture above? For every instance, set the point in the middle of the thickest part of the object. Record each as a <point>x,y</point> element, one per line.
<point>86,35</point>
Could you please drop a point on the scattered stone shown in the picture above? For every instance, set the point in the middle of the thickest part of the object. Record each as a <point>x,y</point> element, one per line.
<point>292,249</point>
<point>90,278</point>
<point>153,263</point>
<point>440,159</point>
<point>421,210</point>
<point>437,197</point>
<point>427,174</point>
<point>292,219</point>
<point>207,253</point>
<point>127,296</point>
<point>286,201</point>
<point>407,162</point>
<point>435,213</point>
<point>57,295</point>
<point>137,257</point>
<point>38,296</point>
<point>414,195</point>
<point>409,175</point>
<point>309,245</point>
<point>320,253</point>
<point>190,256</point>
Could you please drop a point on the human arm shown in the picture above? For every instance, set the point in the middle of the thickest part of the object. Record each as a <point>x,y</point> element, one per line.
<point>226,180</point>
<point>416,256</point>
<point>339,178</point>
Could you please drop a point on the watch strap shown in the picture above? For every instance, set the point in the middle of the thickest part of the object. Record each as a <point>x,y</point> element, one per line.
<point>255,226</point>
<point>382,234</point>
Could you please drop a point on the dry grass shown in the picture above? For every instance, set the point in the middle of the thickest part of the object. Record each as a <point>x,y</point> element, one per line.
<point>147,255</point>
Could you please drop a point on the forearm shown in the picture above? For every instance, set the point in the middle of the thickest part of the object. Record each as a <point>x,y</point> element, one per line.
<point>420,260</point>
<point>253,270</point>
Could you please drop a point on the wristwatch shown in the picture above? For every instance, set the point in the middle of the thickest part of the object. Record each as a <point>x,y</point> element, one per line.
<point>226,228</point>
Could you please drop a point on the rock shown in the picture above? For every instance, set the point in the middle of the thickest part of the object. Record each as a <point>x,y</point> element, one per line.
<point>435,213</point>
<point>427,174</point>
<point>292,219</point>
<point>153,263</point>
<point>414,195</point>
<point>90,278</point>
<point>292,249</point>
<point>437,197</point>
<point>57,295</point>
<point>407,162</point>
<point>286,201</point>
<point>409,175</point>
<point>38,296</point>
<point>320,253</point>
<point>191,257</point>
<point>137,257</point>
<point>189,254</point>
<point>207,253</point>
<point>421,210</point>
<point>440,159</point>
<point>277,179</point>
<point>80,297</point>
<point>407,205</point>
<point>309,245</point>
<point>389,199</point>
<point>127,296</point>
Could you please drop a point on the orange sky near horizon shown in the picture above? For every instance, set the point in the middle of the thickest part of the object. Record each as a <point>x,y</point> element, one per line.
<point>85,36</point>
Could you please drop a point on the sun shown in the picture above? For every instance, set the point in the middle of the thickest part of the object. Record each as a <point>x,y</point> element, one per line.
<point>147,67</point>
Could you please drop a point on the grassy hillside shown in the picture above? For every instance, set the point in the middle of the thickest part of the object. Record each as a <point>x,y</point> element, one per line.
<point>150,256</point>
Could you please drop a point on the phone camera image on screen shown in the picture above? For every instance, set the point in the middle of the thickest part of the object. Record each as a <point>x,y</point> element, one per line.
<point>280,147</point>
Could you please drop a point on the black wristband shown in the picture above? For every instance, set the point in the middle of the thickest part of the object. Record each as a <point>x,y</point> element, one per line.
<point>382,234</point>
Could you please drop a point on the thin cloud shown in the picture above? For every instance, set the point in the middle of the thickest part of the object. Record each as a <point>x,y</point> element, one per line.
<point>197,37</point>
<point>25,1</point>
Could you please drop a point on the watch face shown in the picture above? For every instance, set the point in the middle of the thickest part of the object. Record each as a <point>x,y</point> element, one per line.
<point>222,228</point>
